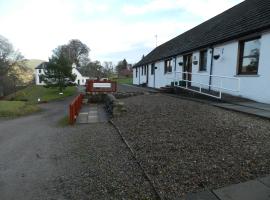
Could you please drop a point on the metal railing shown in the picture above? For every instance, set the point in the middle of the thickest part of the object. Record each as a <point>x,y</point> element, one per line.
<point>219,88</point>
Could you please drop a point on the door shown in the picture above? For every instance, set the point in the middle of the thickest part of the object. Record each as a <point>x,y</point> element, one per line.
<point>187,68</point>
<point>78,82</point>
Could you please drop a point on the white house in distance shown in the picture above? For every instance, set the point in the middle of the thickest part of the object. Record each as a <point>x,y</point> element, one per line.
<point>39,70</point>
<point>229,53</point>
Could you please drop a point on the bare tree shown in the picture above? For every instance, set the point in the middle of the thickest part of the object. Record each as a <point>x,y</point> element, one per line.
<point>8,59</point>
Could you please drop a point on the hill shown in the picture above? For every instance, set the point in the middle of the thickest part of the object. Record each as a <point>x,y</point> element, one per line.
<point>33,63</point>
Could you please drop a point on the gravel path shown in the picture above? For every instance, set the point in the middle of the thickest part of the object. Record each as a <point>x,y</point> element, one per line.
<point>187,146</point>
<point>100,166</point>
<point>41,160</point>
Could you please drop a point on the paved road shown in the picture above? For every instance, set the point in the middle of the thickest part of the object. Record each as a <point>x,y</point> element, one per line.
<point>41,160</point>
<point>28,155</point>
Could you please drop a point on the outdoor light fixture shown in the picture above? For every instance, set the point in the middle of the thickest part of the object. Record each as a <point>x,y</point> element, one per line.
<point>195,62</point>
<point>218,54</point>
<point>216,57</point>
<point>180,63</point>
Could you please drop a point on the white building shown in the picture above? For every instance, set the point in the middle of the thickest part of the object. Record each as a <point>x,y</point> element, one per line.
<point>229,53</point>
<point>39,70</point>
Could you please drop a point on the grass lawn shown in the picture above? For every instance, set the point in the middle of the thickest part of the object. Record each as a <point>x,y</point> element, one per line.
<point>16,108</point>
<point>33,92</point>
<point>124,80</point>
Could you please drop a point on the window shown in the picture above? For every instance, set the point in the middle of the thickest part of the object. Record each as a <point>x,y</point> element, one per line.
<point>203,60</point>
<point>168,66</point>
<point>39,71</point>
<point>136,72</point>
<point>152,68</point>
<point>142,70</point>
<point>249,55</point>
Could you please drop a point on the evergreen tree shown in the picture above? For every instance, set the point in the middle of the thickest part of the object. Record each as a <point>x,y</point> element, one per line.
<point>58,72</point>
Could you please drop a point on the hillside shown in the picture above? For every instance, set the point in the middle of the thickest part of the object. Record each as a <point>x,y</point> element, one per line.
<point>26,75</point>
<point>33,63</point>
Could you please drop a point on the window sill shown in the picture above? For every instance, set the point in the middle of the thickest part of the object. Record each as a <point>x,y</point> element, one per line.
<point>247,75</point>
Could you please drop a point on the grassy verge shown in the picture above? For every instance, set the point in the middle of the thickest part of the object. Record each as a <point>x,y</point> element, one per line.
<point>124,81</point>
<point>32,93</point>
<point>16,108</point>
<point>25,101</point>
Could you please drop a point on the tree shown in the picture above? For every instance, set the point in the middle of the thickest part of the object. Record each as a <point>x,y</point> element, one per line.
<point>93,69</point>
<point>122,65</point>
<point>108,69</point>
<point>9,58</point>
<point>77,52</point>
<point>58,72</point>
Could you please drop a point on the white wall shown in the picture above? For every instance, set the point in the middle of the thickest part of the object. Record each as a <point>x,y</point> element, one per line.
<point>162,79</point>
<point>39,72</point>
<point>79,78</point>
<point>135,79</point>
<point>251,86</point>
<point>201,78</point>
<point>74,71</point>
<point>151,78</point>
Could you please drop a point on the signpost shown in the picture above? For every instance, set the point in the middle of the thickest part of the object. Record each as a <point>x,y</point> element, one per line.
<point>98,86</point>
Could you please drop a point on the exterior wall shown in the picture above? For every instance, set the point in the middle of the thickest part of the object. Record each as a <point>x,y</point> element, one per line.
<point>79,77</point>
<point>162,79</point>
<point>151,77</point>
<point>224,71</point>
<point>80,80</point>
<point>251,86</point>
<point>201,78</point>
<point>39,72</point>
<point>135,79</point>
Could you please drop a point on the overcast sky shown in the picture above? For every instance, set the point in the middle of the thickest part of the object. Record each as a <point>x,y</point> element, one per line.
<point>113,29</point>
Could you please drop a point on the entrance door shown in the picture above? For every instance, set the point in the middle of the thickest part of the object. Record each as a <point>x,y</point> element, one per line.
<point>187,68</point>
<point>78,82</point>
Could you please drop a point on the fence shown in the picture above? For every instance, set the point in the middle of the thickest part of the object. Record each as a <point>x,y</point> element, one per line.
<point>74,108</point>
<point>97,86</point>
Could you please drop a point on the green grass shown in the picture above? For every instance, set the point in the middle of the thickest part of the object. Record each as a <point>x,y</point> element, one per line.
<point>124,81</point>
<point>16,108</point>
<point>33,92</point>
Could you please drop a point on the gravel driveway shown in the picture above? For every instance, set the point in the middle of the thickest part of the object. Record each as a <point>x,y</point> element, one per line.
<point>41,160</point>
<point>187,146</point>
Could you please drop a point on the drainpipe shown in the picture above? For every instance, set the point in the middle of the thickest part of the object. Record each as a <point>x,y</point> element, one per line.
<point>139,71</point>
<point>211,68</point>
<point>154,74</point>
<point>175,59</point>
